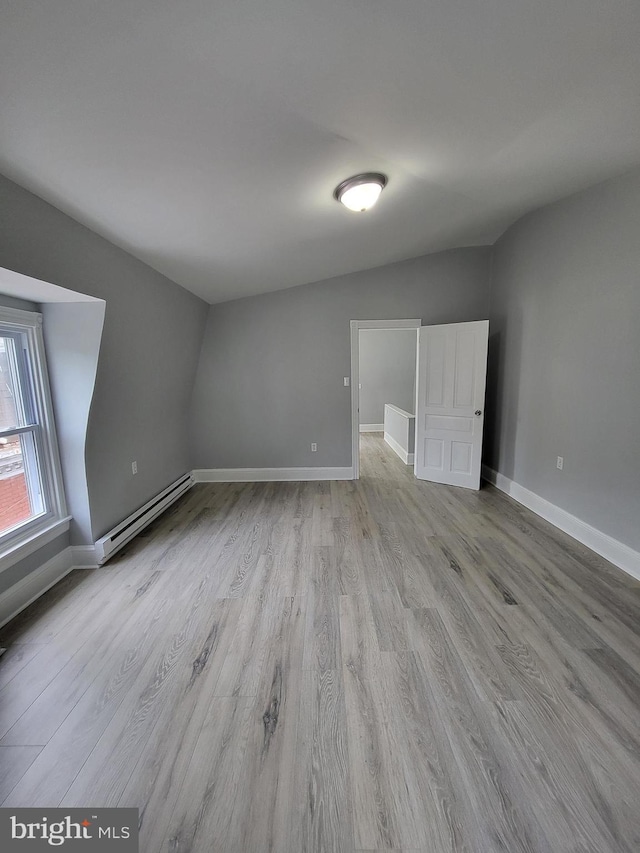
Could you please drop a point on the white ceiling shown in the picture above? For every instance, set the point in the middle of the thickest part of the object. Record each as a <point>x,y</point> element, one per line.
<point>206,136</point>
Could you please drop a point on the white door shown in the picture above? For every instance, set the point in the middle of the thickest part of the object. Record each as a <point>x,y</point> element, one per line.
<point>450,384</point>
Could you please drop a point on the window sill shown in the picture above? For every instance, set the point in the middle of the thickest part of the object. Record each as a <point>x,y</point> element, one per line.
<point>33,542</point>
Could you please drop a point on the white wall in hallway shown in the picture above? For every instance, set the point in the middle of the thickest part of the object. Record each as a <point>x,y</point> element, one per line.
<point>387,372</point>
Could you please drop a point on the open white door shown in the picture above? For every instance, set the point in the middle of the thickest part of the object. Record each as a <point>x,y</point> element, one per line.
<point>450,385</point>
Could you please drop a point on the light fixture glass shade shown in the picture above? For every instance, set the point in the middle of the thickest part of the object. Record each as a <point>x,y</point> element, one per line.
<point>360,192</point>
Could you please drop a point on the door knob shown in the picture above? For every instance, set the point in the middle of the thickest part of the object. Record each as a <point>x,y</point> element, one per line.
<point>478,412</point>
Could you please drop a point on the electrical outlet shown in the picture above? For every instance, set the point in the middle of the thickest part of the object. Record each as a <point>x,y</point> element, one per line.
<point>134,467</point>
<point>560,463</point>
<point>314,447</point>
<point>346,381</point>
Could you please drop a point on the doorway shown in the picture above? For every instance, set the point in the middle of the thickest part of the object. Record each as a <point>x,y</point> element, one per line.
<point>356,327</point>
<point>451,365</point>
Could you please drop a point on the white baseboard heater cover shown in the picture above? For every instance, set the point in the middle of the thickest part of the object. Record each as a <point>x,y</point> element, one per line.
<point>112,541</point>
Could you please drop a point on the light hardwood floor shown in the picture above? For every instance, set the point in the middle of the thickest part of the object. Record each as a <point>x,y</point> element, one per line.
<point>311,667</point>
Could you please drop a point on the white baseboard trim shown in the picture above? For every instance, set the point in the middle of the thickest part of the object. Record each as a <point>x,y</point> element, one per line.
<point>23,593</point>
<point>36,583</point>
<point>371,427</point>
<point>269,475</point>
<point>407,458</point>
<point>84,556</point>
<point>611,549</point>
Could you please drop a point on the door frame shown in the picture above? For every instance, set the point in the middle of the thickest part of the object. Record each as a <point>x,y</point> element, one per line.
<point>356,325</point>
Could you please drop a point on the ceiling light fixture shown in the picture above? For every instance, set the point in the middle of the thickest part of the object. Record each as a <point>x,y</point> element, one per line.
<point>360,192</point>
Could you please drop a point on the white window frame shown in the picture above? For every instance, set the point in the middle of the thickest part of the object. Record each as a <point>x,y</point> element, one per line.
<point>17,542</point>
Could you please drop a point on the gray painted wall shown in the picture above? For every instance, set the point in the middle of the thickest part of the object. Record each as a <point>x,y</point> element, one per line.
<point>387,361</point>
<point>72,334</point>
<point>150,345</point>
<point>564,361</point>
<point>270,378</point>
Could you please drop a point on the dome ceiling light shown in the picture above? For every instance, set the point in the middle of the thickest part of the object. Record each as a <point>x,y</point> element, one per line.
<point>360,192</point>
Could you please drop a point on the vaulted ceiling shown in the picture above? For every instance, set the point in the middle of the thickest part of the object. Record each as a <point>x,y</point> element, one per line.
<point>206,136</point>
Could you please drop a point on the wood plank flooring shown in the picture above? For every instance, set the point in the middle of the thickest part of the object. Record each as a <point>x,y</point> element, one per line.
<point>333,668</point>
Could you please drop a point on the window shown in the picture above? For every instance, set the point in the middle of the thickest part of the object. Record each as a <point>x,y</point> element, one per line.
<point>31,496</point>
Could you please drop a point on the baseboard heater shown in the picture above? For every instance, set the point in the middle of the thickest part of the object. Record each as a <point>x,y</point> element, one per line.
<point>112,541</point>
